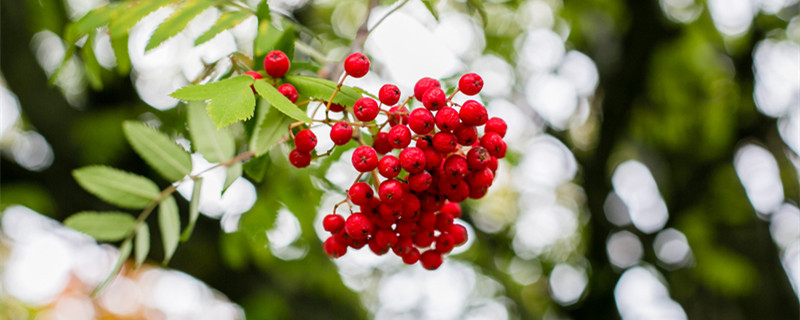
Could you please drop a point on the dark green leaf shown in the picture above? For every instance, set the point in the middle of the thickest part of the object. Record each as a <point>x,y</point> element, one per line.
<point>130,13</point>
<point>262,11</point>
<point>103,226</point>
<point>280,101</point>
<point>117,187</point>
<point>216,145</point>
<point>170,225</point>
<point>194,209</point>
<point>256,167</point>
<point>158,150</point>
<point>177,21</point>
<point>91,65</point>
<point>142,244</point>
<point>271,126</point>
<point>120,47</point>
<point>226,21</point>
<point>233,172</point>
<point>431,6</point>
<point>231,99</point>
<point>124,253</point>
<point>322,89</point>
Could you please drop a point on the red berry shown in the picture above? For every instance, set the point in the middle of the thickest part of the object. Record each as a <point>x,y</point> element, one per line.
<point>478,158</point>
<point>385,238</point>
<point>494,143</point>
<point>452,208</point>
<point>443,221</point>
<point>420,181</point>
<point>391,191</point>
<point>432,158</point>
<point>444,142</point>
<point>424,238</point>
<point>427,220</point>
<point>389,166</point>
<point>477,192</point>
<point>434,99</point>
<point>444,243</point>
<point>481,178</point>
<point>376,247</point>
<point>381,143</point>
<point>466,135</point>
<point>425,142</point>
<point>423,85</point>
<point>473,113</point>
<point>254,74</point>
<point>389,94</point>
<point>341,133</point>
<point>335,107</point>
<point>459,234</point>
<point>421,121</point>
<point>356,65</point>
<point>412,159</point>
<point>305,140</point>
<point>398,115</point>
<point>447,119</point>
<point>470,84</point>
<point>390,211</point>
<point>455,167</point>
<point>276,63</point>
<point>496,125</point>
<point>411,257</point>
<point>356,243</point>
<point>365,159</point>
<point>334,248</point>
<point>366,109</point>
<point>411,206</point>
<point>399,137</point>
<point>430,201</point>
<point>492,164</point>
<point>358,226</point>
<point>404,245</point>
<point>360,194</point>
<point>299,158</point>
<point>288,91</point>
<point>333,223</point>
<point>430,260</point>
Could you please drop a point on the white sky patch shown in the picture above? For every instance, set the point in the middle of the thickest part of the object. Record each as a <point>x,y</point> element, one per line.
<point>732,17</point>
<point>567,283</point>
<point>581,71</point>
<point>672,248</point>
<point>637,188</point>
<point>777,87</point>
<point>758,171</point>
<point>624,249</point>
<point>640,294</point>
<point>541,51</point>
<point>553,97</point>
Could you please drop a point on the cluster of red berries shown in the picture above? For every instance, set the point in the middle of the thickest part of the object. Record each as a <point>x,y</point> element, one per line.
<point>413,210</point>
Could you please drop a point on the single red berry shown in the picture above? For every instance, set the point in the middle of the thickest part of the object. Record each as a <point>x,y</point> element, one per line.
<point>421,121</point>
<point>405,228</point>
<point>358,226</point>
<point>492,164</point>
<point>376,247</point>
<point>478,158</point>
<point>355,243</point>
<point>305,140</point>
<point>477,192</point>
<point>381,143</point>
<point>254,74</point>
<point>356,65</point>
<point>423,85</point>
<point>404,245</point>
<point>399,136</point>
<point>430,260</point>
<point>430,201</point>
<point>385,222</point>
<point>420,181</point>
<point>299,158</point>
<point>335,107</point>
<point>411,257</point>
<point>432,158</point>
<point>391,191</point>
<point>447,119</point>
<point>459,234</point>
<point>288,91</point>
<point>455,167</point>
<point>481,178</point>
<point>434,99</point>
<point>390,211</point>
<point>424,238</point>
<point>443,221</point>
<point>496,125</point>
<point>411,206</point>
<point>412,159</point>
<point>459,193</point>
<point>360,194</point>
<point>398,115</point>
<point>444,142</point>
<point>473,113</point>
<point>334,248</point>
<point>427,220</point>
<point>452,208</point>
<point>333,223</point>
<point>386,238</point>
<point>494,143</point>
<point>470,84</point>
<point>276,63</point>
<point>389,166</point>
<point>389,94</point>
<point>365,159</point>
<point>341,133</point>
<point>444,243</point>
<point>466,135</point>
<point>366,109</point>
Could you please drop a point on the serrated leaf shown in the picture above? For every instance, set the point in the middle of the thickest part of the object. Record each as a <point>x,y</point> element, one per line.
<point>322,89</point>
<point>431,6</point>
<point>130,13</point>
<point>477,5</point>
<point>117,187</point>
<point>233,172</point>
<point>176,22</point>
<point>256,167</point>
<point>216,145</point>
<point>95,19</point>
<point>124,253</point>
<point>194,209</point>
<point>120,47</point>
<point>103,226</point>
<point>158,150</point>
<point>142,243</point>
<point>169,223</point>
<point>226,21</point>
<point>280,102</point>
<point>232,99</point>
<point>271,126</point>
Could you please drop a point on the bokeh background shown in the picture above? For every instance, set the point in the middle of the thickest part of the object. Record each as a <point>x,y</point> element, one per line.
<point>653,167</point>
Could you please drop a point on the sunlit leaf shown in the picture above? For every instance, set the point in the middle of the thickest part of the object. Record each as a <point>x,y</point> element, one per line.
<point>117,187</point>
<point>130,13</point>
<point>431,6</point>
<point>322,89</point>
<point>226,21</point>
<point>170,225</point>
<point>158,150</point>
<point>187,11</point>
<point>280,102</point>
<point>194,209</point>
<point>232,99</point>
<point>95,19</point>
<point>124,253</point>
<point>262,11</point>
<point>216,145</point>
<point>103,226</point>
<point>271,126</point>
<point>120,47</point>
<point>142,243</point>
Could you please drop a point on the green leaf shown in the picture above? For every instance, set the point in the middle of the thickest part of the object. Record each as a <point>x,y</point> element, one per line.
<point>170,225</point>
<point>120,47</point>
<point>117,187</point>
<point>158,150</point>
<point>216,145</point>
<point>256,167</point>
<point>177,21</point>
<point>431,6</point>
<point>91,65</point>
<point>194,209</point>
<point>322,89</point>
<point>232,99</point>
<point>477,5</point>
<point>124,253</point>
<point>103,226</point>
<point>142,244</point>
<point>130,13</point>
<point>226,21</point>
<point>262,11</point>
<point>280,101</point>
<point>233,172</point>
<point>95,19</point>
<point>270,38</point>
<point>271,126</point>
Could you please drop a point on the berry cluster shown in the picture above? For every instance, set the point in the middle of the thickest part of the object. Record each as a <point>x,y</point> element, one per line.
<point>431,158</point>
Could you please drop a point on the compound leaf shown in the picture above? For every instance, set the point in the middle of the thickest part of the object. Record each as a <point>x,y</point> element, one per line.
<point>232,99</point>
